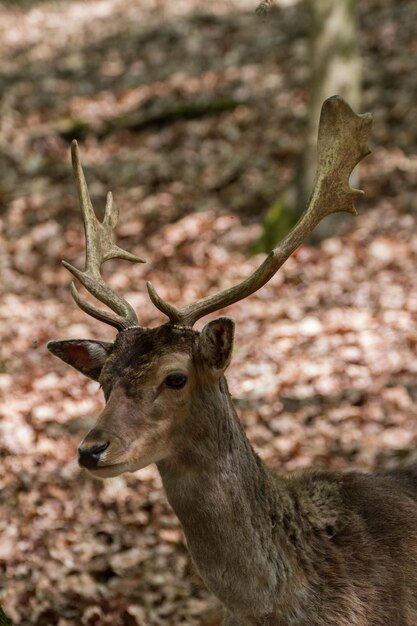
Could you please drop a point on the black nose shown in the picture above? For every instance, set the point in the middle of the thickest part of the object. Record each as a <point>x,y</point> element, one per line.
<point>89,456</point>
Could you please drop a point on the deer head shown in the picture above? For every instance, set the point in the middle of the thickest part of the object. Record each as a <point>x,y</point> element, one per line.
<point>161,384</point>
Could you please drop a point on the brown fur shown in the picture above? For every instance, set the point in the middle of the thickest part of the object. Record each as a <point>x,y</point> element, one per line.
<point>308,549</point>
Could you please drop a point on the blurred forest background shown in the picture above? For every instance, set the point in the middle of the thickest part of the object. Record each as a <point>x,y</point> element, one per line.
<point>194,115</point>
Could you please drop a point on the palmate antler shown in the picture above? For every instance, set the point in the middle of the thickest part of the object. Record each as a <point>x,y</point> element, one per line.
<point>99,248</point>
<point>342,143</point>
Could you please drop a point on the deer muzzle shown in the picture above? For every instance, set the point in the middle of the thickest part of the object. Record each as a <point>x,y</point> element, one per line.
<point>89,455</point>
<point>102,453</point>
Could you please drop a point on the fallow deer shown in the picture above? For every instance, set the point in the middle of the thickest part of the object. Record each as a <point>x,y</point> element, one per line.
<point>307,549</point>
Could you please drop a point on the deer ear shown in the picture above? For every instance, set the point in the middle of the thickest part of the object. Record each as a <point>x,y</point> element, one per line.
<point>86,355</point>
<point>216,343</point>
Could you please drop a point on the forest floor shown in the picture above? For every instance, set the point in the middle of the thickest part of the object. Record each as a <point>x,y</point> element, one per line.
<point>194,117</point>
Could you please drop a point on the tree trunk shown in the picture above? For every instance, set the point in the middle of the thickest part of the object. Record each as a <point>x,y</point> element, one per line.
<point>335,69</point>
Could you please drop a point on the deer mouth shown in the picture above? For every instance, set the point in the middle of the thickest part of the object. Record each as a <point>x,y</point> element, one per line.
<point>109,471</point>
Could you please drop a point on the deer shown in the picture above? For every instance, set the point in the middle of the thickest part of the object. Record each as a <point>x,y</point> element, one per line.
<point>309,548</point>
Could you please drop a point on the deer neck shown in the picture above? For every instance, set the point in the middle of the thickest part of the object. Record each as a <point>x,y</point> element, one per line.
<point>230,507</point>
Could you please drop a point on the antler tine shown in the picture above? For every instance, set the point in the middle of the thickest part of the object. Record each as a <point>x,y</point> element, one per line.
<point>342,143</point>
<point>99,248</point>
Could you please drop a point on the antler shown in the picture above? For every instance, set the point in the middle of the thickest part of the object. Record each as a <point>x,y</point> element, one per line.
<point>342,143</point>
<point>99,248</point>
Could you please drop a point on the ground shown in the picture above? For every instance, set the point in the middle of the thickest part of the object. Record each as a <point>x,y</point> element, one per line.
<point>193,115</point>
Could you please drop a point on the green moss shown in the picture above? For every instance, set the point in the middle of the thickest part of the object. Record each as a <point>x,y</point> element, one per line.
<point>4,620</point>
<point>71,127</point>
<point>278,222</point>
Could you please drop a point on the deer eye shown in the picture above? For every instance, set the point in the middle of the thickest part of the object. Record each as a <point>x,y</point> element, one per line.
<point>176,381</point>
